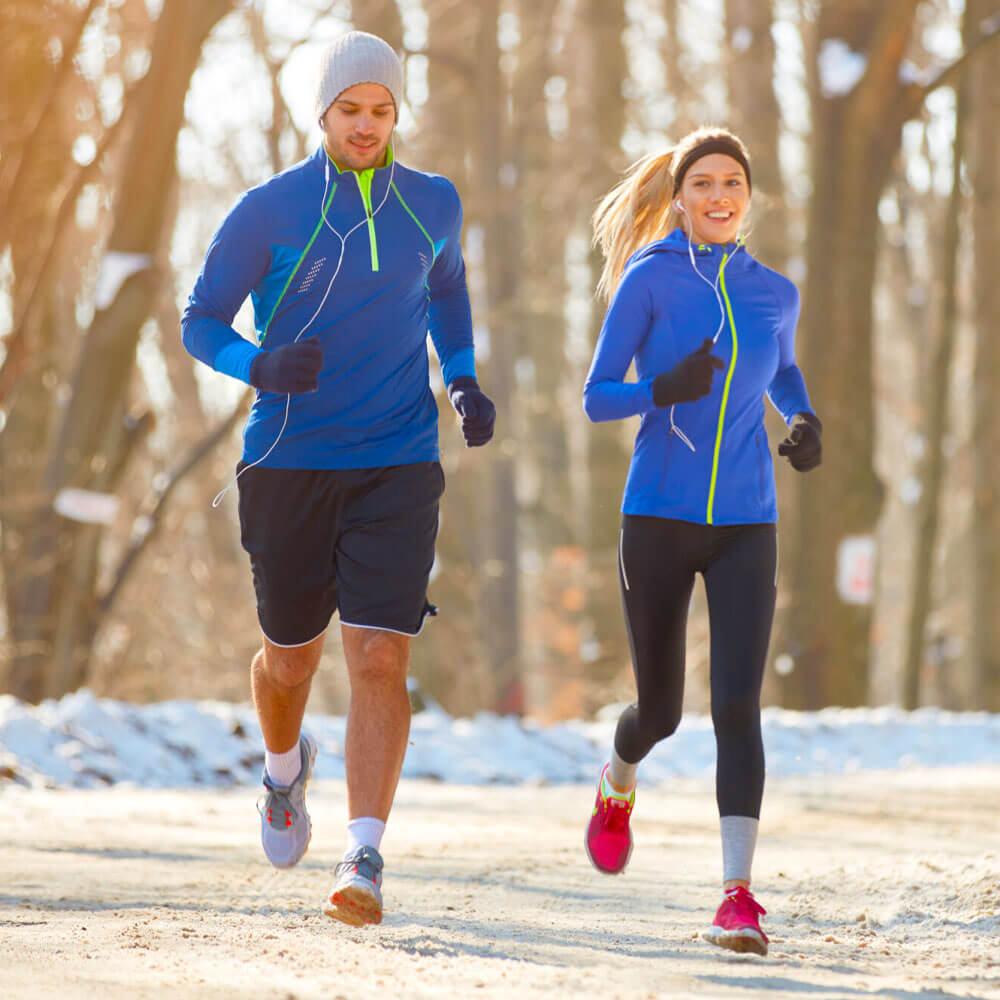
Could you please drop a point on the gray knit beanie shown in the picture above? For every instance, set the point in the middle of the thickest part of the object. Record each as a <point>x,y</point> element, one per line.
<point>358,57</point>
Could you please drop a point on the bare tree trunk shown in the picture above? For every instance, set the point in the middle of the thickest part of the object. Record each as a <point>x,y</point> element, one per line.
<point>936,380</point>
<point>541,324</point>
<point>678,83</point>
<point>448,117</point>
<point>984,163</point>
<point>756,117</point>
<point>380,17</point>
<point>496,209</point>
<point>856,135</point>
<point>600,112</point>
<point>540,415</point>
<point>29,372</point>
<point>52,606</point>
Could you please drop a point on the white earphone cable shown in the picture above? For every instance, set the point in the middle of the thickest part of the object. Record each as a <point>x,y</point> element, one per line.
<point>326,294</point>
<point>674,429</point>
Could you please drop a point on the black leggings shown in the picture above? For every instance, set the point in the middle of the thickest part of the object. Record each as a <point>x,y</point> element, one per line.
<point>658,560</point>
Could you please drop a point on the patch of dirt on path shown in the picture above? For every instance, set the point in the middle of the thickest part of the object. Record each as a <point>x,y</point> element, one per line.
<point>883,885</point>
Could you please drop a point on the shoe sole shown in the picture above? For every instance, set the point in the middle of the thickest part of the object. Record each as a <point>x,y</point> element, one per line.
<point>353,905</point>
<point>608,871</point>
<point>743,941</point>
<point>292,864</point>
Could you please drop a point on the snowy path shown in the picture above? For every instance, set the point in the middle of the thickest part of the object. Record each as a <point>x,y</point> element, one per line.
<point>879,884</point>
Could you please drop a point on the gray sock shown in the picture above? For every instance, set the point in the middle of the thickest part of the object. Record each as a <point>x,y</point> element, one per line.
<point>621,773</point>
<point>739,838</point>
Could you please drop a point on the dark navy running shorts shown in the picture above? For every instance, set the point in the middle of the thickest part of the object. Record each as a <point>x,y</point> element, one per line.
<point>360,541</point>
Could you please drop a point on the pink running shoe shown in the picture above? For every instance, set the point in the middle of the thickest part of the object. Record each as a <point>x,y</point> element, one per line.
<point>609,839</point>
<point>737,923</point>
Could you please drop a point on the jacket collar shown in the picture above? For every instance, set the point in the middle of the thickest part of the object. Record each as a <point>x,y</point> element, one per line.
<point>378,177</point>
<point>677,242</point>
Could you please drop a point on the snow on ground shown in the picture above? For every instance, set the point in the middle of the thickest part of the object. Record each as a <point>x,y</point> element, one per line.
<point>82,741</point>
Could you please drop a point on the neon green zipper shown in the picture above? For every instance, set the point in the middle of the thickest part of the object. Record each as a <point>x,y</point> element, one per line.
<point>709,514</point>
<point>365,178</point>
<point>365,187</point>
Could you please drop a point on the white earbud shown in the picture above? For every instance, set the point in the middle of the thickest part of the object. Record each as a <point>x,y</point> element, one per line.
<point>680,207</point>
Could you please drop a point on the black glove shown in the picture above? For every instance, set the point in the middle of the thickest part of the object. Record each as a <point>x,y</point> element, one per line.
<point>803,447</point>
<point>689,379</point>
<point>290,368</point>
<point>475,408</point>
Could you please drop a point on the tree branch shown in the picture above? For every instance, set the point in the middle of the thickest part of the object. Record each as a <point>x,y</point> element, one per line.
<point>462,67</point>
<point>45,105</point>
<point>916,93</point>
<point>281,115</point>
<point>15,344</point>
<point>147,523</point>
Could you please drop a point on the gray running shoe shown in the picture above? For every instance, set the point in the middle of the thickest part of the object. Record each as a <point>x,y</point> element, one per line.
<point>356,896</point>
<point>285,828</point>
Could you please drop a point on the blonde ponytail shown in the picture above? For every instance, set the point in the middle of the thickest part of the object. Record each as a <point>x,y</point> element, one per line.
<point>633,213</point>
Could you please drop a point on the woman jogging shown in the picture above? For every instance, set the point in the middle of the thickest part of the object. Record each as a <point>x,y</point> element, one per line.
<point>711,332</point>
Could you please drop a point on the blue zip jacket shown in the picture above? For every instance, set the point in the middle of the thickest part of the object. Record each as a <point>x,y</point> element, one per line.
<point>402,276</point>
<point>661,312</point>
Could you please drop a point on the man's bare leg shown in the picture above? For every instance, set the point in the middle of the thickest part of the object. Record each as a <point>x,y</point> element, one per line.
<point>378,728</point>
<point>378,720</point>
<point>280,678</point>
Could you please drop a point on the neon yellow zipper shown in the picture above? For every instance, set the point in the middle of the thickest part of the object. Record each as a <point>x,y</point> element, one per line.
<point>365,187</point>
<point>709,514</point>
<point>365,178</point>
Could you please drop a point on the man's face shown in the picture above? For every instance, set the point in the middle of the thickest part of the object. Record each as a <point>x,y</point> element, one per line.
<point>358,125</point>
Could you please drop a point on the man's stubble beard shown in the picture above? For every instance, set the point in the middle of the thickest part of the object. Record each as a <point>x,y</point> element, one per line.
<point>367,163</point>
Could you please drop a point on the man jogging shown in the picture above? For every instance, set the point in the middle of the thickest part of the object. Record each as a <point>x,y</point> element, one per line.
<point>350,260</point>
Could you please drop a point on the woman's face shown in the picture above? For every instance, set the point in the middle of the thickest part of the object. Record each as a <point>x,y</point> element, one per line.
<point>715,197</point>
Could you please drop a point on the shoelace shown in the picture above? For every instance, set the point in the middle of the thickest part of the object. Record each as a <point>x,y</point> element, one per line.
<point>743,898</point>
<point>360,863</point>
<point>277,808</point>
<point>616,814</point>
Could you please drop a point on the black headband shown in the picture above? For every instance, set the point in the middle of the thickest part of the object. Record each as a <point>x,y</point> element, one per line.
<point>715,145</point>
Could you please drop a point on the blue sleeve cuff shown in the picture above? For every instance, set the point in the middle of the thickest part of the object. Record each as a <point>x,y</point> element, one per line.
<point>646,395</point>
<point>462,362</point>
<point>787,392</point>
<point>609,399</point>
<point>235,359</point>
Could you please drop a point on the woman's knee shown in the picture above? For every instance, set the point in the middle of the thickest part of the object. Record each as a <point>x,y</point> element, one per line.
<point>641,728</point>
<point>659,725</point>
<point>736,713</point>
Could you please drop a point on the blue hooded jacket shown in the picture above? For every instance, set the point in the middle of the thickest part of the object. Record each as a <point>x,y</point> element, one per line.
<point>661,312</point>
<point>402,277</point>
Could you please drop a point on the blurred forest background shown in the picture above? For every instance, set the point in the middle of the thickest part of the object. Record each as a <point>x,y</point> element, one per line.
<point>128,128</point>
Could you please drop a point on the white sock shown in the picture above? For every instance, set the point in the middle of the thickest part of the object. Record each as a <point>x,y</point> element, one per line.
<point>365,831</point>
<point>621,772</point>
<point>609,791</point>
<point>739,838</point>
<point>283,768</point>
